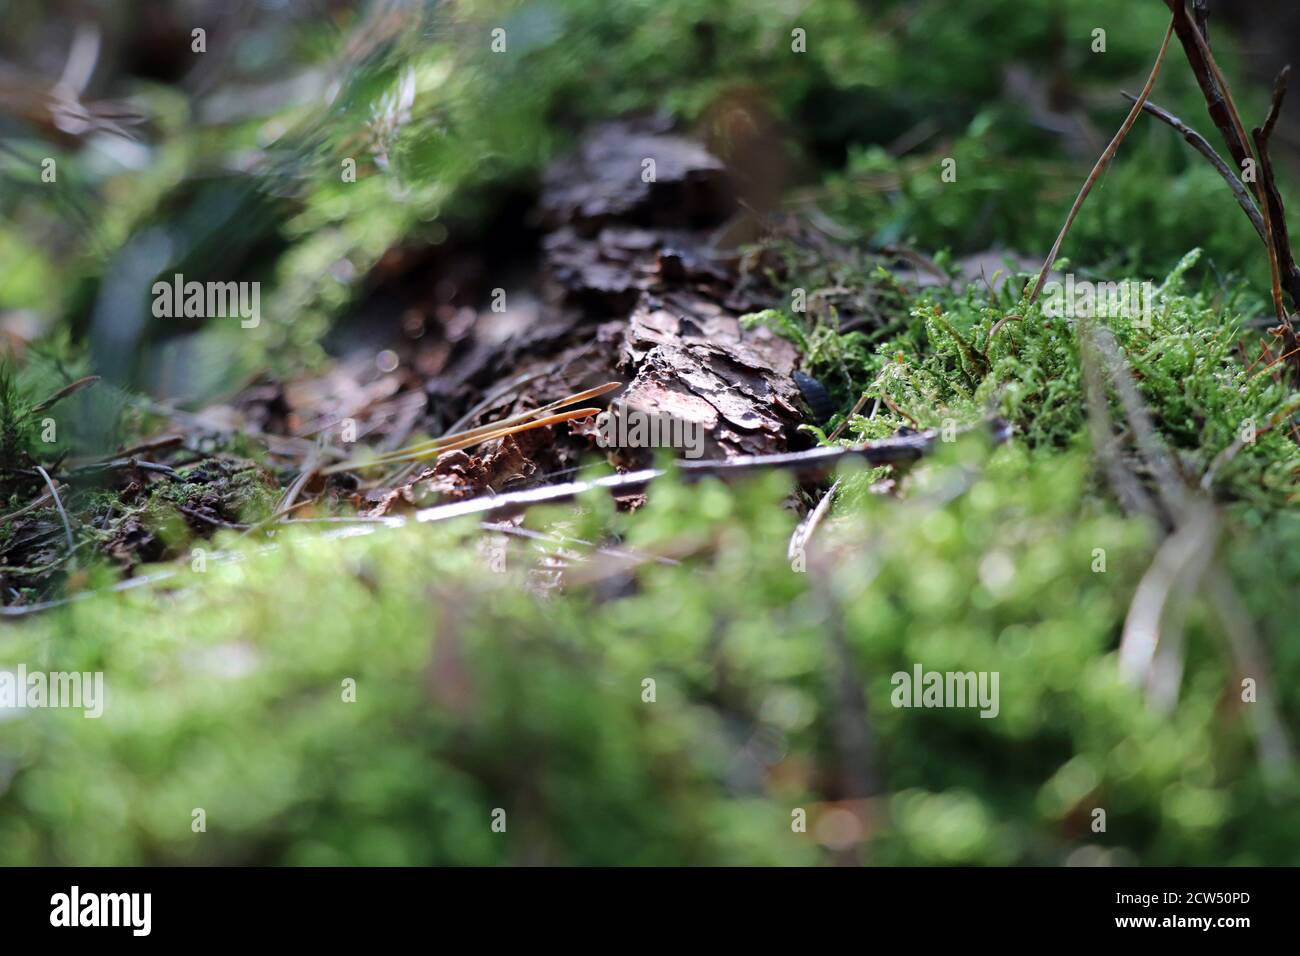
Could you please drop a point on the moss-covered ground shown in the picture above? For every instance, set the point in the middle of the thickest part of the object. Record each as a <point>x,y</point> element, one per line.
<point>374,698</point>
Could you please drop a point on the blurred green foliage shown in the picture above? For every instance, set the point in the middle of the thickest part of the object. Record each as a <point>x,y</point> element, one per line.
<point>225,686</point>
<point>473,694</point>
<point>248,182</point>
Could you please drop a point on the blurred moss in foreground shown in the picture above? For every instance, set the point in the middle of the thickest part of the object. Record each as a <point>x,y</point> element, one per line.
<point>474,694</point>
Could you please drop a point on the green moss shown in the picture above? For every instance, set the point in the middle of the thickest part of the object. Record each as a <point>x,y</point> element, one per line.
<point>471,694</point>
<point>948,367</point>
<point>235,489</point>
<point>226,683</point>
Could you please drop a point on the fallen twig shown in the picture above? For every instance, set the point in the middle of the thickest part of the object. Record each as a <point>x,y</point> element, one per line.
<point>621,554</point>
<point>276,516</point>
<point>38,502</point>
<point>70,389</point>
<point>215,522</point>
<point>1150,647</point>
<point>808,527</point>
<point>54,492</point>
<point>152,444</point>
<point>1132,496</point>
<point>857,407</point>
<point>1170,486</point>
<point>816,461</point>
<point>808,465</point>
<point>1272,742</point>
<point>123,463</point>
<point>290,495</point>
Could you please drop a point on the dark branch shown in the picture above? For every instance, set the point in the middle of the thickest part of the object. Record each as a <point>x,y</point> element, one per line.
<point>1202,146</point>
<point>1188,35</point>
<point>1272,195</point>
<point>1201,13</point>
<point>1277,214</point>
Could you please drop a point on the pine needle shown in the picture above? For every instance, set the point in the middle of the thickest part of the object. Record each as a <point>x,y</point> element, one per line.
<point>524,421</point>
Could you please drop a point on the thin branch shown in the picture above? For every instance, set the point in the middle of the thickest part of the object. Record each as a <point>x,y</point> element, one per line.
<point>1201,12</point>
<point>1197,50</point>
<point>808,465</point>
<point>38,502</point>
<point>1128,489</point>
<point>811,463</point>
<point>850,725</point>
<point>1276,254</point>
<point>299,483</point>
<point>1275,211</point>
<point>1202,146</point>
<point>1170,486</point>
<point>857,407</point>
<point>215,522</point>
<point>64,392</point>
<point>1221,459</point>
<point>152,444</point>
<point>1272,743</point>
<point>1234,115</point>
<point>1275,107</point>
<point>67,525</point>
<point>129,584</point>
<point>808,527</point>
<point>1151,645</point>
<point>1102,163</point>
<point>119,464</point>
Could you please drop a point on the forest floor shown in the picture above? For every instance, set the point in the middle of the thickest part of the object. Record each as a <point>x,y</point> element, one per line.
<point>421,560</point>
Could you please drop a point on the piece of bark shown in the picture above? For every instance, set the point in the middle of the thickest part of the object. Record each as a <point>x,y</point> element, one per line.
<point>631,288</point>
<point>605,179</point>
